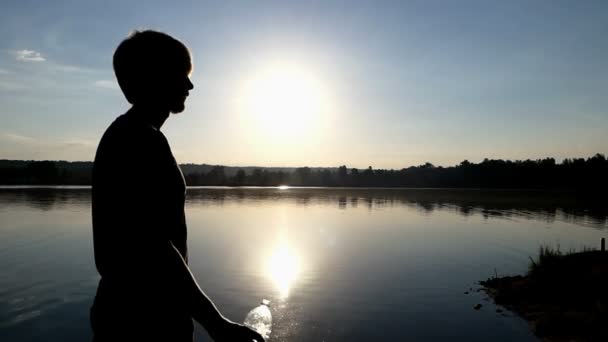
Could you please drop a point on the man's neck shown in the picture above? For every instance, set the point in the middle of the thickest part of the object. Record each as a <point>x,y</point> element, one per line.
<point>150,114</point>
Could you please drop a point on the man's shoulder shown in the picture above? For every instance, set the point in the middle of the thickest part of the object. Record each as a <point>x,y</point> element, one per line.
<point>131,139</point>
<point>124,131</point>
<point>128,126</point>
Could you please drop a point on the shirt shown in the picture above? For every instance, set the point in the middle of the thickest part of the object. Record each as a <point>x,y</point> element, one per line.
<point>138,197</point>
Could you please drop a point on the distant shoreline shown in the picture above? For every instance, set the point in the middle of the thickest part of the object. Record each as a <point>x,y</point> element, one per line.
<point>571,174</point>
<point>288,187</point>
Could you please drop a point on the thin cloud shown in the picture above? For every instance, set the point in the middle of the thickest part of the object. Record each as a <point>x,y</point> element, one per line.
<point>18,146</point>
<point>73,68</point>
<point>78,143</point>
<point>17,137</point>
<point>11,85</point>
<point>107,84</point>
<point>4,72</point>
<point>29,56</point>
<point>24,139</point>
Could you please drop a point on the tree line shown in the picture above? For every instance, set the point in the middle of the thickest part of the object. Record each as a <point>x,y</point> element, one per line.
<point>571,173</point>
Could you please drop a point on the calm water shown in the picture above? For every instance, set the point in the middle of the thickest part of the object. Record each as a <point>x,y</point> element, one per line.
<point>337,264</point>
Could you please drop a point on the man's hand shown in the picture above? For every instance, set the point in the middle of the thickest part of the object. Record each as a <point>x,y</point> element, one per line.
<point>229,331</point>
<point>204,311</point>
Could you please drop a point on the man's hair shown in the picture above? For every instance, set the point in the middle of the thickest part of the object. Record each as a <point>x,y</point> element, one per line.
<point>145,57</point>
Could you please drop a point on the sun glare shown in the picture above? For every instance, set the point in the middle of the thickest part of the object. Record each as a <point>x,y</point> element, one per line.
<point>283,267</point>
<point>284,101</point>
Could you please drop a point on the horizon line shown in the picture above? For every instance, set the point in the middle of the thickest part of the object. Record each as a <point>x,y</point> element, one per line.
<point>322,167</point>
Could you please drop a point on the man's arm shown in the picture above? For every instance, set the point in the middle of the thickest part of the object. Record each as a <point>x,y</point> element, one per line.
<point>148,167</point>
<point>202,308</point>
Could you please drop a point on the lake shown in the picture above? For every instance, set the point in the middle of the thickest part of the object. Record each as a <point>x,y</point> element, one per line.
<point>336,264</point>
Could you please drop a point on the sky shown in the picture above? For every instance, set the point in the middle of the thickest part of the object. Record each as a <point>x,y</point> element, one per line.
<point>388,84</point>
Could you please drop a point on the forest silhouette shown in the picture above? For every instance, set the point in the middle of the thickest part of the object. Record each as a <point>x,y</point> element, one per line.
<point>572,173</point>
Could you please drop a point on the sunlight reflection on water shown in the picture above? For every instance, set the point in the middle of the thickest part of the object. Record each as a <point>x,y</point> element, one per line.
<point>283,267</point>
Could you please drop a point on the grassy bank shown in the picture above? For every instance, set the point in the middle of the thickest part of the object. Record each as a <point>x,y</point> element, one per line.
<point>564,295</point>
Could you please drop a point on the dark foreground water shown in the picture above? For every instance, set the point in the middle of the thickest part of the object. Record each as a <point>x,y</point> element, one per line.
<point>337,264</point>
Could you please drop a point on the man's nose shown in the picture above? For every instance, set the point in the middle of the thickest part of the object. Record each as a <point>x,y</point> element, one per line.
<point>189,84</point>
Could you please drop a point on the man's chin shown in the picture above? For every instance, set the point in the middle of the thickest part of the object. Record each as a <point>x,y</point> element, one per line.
<point>177,108</point>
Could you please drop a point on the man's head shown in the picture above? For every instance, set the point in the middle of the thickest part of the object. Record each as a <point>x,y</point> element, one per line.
<point>152,69</point>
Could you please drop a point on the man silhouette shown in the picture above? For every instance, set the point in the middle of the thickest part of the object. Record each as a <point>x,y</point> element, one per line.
<point>146,291</point>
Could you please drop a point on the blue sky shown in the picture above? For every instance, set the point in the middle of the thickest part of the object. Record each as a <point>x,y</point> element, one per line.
<point>402,82</point>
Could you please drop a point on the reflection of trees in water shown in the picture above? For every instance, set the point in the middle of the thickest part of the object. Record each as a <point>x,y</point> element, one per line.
<point>505,204</point>
<point>342,201</point>
<point>465,210</point>
<point>511,205</point>
<point>46,198</point>
<point>424,207</point>
<point>369,202</point>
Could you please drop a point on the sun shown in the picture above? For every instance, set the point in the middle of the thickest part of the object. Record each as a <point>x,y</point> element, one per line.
<point>284,101</point>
